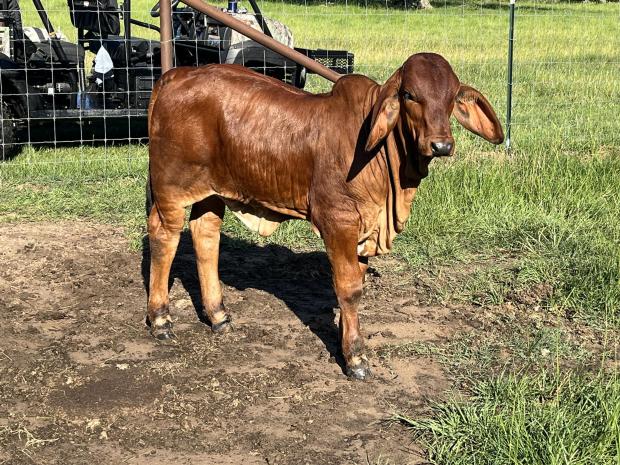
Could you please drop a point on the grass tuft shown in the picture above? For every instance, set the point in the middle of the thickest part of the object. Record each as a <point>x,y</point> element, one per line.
<point>536,420</point>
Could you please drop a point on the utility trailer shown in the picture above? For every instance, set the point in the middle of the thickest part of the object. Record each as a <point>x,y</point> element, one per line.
<point>49,95</point>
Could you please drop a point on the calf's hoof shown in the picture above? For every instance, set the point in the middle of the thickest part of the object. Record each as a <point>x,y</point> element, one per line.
<point>360,371</point>
<point>163,332</point>
<point>223,325</point>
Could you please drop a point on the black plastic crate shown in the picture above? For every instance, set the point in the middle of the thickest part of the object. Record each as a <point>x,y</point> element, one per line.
<point>340,61</point>
<point>144,87</point>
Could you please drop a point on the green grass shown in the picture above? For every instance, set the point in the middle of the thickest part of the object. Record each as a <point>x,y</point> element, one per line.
<point>524,349</point>
<point>549,419</point>
<point>553,215</point>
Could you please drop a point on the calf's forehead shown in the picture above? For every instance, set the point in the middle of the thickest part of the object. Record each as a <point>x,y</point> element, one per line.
<point>430,76</point>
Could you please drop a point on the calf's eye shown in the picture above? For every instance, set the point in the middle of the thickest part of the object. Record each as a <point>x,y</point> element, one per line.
<point>407,96</point>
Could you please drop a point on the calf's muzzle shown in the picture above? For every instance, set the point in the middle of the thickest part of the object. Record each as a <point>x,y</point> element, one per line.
<point>441,148</point>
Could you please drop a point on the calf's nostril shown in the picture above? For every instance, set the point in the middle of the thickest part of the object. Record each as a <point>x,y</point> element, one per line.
<point>441,148</point>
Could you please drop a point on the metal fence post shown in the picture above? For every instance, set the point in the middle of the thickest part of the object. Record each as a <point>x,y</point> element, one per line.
<point>509,103</point>
<point>165,25</point>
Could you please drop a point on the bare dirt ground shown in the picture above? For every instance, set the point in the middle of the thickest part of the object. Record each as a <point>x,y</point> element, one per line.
<point>82,380</point>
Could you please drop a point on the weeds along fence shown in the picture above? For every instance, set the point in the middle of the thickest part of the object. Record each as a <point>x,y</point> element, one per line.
<point>74,87</point>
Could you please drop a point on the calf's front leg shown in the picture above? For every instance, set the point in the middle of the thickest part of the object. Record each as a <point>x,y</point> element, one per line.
<point>341,245</point>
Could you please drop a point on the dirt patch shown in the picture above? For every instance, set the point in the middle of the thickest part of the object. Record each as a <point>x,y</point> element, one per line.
<point>82,379</point>
<point>111,388</point>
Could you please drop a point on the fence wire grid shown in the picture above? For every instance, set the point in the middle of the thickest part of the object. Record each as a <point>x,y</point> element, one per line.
<point>75,90</point>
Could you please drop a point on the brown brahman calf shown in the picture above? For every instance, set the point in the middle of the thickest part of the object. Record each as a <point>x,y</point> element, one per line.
<point>349,161</point>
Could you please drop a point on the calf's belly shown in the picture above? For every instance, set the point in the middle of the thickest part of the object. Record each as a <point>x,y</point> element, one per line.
<point>262,198</point>
<point>256,218</point>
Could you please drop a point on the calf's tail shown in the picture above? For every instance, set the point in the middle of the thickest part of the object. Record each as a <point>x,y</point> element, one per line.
<point>150,199</point>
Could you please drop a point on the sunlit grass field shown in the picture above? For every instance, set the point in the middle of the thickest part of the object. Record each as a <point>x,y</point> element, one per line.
<point>547,213</point>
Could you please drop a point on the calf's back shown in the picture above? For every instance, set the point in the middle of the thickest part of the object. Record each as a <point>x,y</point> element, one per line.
<point>251,139</point>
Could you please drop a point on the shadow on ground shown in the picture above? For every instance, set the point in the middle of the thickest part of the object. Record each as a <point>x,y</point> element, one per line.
<point>301,280</point>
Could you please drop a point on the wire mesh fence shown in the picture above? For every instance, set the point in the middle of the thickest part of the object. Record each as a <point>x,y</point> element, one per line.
<point>76,76</point>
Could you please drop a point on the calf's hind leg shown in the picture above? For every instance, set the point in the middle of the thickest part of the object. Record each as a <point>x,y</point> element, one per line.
<point>204,223</point>
<point>164,227</point>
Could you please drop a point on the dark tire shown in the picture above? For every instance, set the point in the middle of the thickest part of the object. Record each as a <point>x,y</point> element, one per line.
<point>9,147</point>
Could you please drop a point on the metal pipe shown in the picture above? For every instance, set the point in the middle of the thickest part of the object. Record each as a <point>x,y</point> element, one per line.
<point>256,36</point>
<point>60,53</point>
<point>127,31</point>
<point>509,90</point>
<point>165,26</point>
<point>259,17</point>
<point>145,25</point>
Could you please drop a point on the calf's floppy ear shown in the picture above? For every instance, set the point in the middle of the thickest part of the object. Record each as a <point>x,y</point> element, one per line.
<point>385,112</point>
<point>476,114</point>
